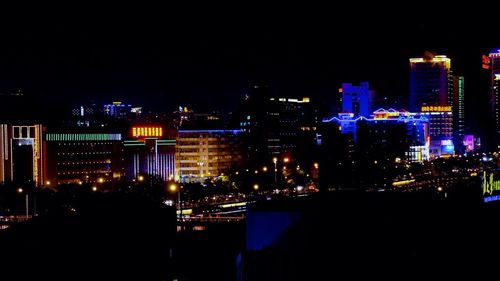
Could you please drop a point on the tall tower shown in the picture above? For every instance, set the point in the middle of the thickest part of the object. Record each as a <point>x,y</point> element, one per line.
<point>495,77</point>
<point>431,92</point>
<point>430,81</point>
<point>458,109</point>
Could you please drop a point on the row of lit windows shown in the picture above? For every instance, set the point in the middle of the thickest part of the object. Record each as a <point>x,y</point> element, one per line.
<point>186,146</point>
<point>83,143</point>
<point>82,137</point>
<point>85,172</point>
<point>108,161</point>
<point>83,153</point>
<point>211,160</point>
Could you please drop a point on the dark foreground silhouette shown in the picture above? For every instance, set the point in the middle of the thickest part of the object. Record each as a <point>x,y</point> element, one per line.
<point>109,237</point>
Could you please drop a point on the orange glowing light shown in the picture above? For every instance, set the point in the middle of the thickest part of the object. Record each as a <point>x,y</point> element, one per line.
<point>486,62</point>
<point>148,131</point>
<point>437,108</point>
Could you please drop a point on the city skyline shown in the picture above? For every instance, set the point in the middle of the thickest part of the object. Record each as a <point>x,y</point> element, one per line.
<point>142,144</point>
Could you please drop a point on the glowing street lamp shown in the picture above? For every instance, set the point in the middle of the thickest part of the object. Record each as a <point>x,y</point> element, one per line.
<point>20,190</point>
<point>275,161</point>
<point>141,178</point>
<point>255,187</point>
<point>175,188</point>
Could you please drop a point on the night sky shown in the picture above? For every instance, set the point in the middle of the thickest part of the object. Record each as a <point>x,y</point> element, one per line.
<point>207,57</point>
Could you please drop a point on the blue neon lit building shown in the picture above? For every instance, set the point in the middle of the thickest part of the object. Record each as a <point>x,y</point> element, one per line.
<point>356,98</point>
<point>385,127</point>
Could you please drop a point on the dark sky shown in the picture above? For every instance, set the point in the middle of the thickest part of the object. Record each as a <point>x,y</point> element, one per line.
<point>206,57</point>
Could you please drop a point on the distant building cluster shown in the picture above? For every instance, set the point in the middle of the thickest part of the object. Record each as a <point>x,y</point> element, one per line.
<point>101,143</point>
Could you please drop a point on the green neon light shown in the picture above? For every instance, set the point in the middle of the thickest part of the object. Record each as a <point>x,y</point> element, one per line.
<point>83,137</point>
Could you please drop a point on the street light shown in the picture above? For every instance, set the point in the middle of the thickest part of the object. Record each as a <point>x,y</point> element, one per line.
<point>140,178</point>
<point>275,161</point>
<point>256,187</point>
<point>174,188</point>
<point>20,190</point>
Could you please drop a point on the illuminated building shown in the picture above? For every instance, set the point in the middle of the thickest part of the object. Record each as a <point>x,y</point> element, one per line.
<point>494,66</point>
<point>496,94</point>
<point>435,92</point>
<point>458,112</point>
<point>181,116</point>
<point>21,154</point>
<point>186,119</point>
<point>201,154</point>
<point>440,129</point>
<point>373,147</point>
<point>430,81</point>
<point>149,151</point>
<point>356,98</point>
<point>469,143</point>
<point>385,127</point>
<point>417,124</point>
<point>117,109</point>
<point>82,157</point>
<point>276,126</point>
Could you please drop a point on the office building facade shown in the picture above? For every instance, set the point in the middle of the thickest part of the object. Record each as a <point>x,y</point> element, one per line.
<point>278,127</point>
<point>149,150</point>
<point>202,154</point>
<point>76,157</point>
<point>430,82</point>
<point>22,154</point>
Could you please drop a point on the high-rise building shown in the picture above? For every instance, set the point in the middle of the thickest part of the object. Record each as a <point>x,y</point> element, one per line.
<point>278,126</point>
<point>432,93</point>
<point>494,65</point>
<point>356,98</point>
<point>458,112</point>
<point>430,81</point>
<point>21,154</point>
<point>149,151</point>
<point>440,129</point>
<point>201,154</point>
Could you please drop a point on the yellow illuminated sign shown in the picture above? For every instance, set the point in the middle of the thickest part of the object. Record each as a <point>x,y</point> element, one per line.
<point>147,131</point>
<point>436,108</point>
<point>385,115</point>
<point>489,184</point>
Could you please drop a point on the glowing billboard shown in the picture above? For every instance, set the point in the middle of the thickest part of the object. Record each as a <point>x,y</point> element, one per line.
<point>436,108</point>
<point>147,131</point>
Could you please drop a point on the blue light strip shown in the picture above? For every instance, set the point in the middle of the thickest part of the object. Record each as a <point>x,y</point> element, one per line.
<point>491,198</point>
<point>234,131</point>
<point>400,119</point>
